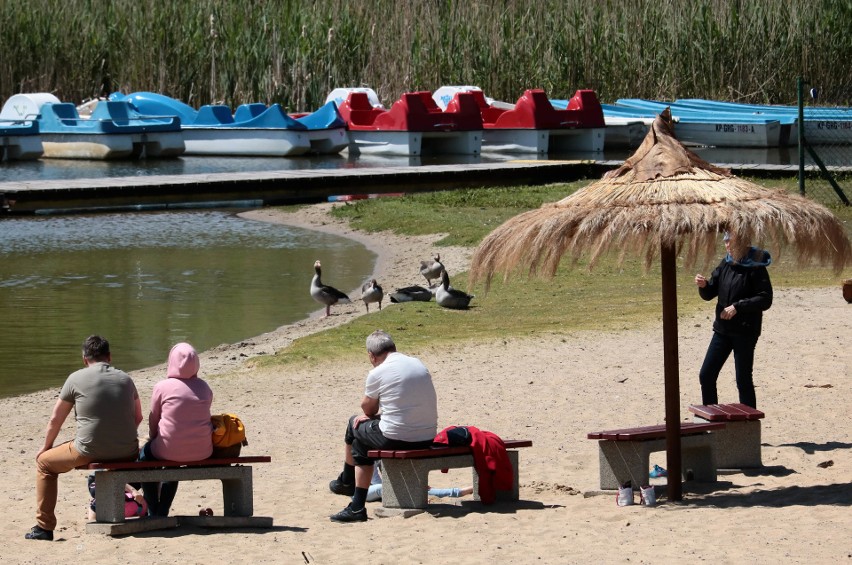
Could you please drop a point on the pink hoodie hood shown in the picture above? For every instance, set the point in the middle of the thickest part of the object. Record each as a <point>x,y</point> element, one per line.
<point>183,362</point>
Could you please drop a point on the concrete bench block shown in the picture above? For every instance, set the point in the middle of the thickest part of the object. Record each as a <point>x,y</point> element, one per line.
<point>622,461</point>
<point>405,481</point>
<point>738,445</point>
<point>236,487</point>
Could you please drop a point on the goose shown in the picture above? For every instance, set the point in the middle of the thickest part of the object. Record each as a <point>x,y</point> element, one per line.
<point>372,292</point>
<point>325,294</point>
<point>431,269</point>
<point>449,297</point>
<point>411,293</point>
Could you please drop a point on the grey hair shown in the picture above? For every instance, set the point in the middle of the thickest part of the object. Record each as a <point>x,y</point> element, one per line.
<point>380,342</point>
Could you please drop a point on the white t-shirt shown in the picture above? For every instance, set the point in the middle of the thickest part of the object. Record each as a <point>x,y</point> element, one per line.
<point>407,399</point>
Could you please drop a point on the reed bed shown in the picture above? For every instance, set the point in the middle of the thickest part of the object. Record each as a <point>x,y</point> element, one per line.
<point>295,51</point>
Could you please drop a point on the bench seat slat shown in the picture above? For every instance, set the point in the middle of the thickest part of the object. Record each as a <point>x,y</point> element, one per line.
<point>653,432</point>
<point>437,451</point>
<point>164,463</point>
<point>726,412</point>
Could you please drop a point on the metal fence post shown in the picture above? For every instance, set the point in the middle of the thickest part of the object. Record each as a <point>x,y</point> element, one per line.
<point>800,87</point>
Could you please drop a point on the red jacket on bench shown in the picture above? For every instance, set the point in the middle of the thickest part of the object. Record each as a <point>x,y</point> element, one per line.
<point>490,459</point>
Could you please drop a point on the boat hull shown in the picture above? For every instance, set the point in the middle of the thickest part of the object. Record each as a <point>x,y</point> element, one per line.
<point>624,136</point>
<point>247,142</point>
<point>328,141</point>
<point>728,134</point>
<point>828,132</point>
<point>87,146</point>
<point>160,144</point>
<point>415,143</point>
<point>542,141</point>
<point>20,147</point>
<point>98,146</point>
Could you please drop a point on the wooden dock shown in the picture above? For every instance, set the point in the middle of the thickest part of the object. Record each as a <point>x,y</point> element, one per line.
<point>264,188</point>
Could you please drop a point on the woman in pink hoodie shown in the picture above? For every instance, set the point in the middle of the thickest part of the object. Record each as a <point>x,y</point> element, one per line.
<point>179,427</point>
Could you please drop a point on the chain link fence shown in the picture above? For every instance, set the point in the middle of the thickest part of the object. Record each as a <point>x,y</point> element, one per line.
<point>825,149</point>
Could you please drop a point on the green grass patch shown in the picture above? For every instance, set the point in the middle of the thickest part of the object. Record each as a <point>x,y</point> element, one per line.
<point>466,215</point>
<point>612,297</point>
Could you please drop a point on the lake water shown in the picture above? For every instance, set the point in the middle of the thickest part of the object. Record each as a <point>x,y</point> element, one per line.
<point>146,281</point>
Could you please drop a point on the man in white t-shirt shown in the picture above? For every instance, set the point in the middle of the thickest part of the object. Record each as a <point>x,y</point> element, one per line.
<point>400,412</point>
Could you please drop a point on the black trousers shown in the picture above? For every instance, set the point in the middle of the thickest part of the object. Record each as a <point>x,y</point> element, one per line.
<point>718,351</point>
<point>368,436</point>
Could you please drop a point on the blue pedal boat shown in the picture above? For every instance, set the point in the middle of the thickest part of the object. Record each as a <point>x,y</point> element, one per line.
<point>253,130</point>
<point>113,131</point>
<point>19,135</point>
<point>694,127</point>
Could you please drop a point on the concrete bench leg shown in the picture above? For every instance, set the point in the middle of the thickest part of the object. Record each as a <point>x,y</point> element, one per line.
<point>110,500</point>
<point>738,445</point>
<point>502,495</point>
<point>698,460</point>
<point>237,495</point>
<point>405,482</point>
<point>622,461</point>
<point>237,492</point>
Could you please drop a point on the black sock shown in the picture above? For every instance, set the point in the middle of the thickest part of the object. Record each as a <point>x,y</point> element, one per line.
<point>358,499</point>
<point>348,474</point>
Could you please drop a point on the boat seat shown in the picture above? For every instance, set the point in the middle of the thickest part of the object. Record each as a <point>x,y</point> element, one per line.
<point>115,111</point>
<point>62,110</point>
<point>213,115</point>
<point>246,112</point>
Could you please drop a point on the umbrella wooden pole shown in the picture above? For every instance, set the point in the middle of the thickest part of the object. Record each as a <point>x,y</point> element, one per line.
<point>671,371</point>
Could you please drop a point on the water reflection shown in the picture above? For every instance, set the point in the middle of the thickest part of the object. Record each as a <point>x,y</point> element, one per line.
<point>148,280</point>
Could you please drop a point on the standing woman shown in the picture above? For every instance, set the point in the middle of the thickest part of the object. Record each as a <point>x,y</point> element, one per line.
<point>741,284</point>
<point>179,423</point>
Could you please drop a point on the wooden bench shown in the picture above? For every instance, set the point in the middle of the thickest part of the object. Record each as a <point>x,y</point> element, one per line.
<point>625,453</point>
<point>738,445</point>
<point>237,493</point>
<point>405,473</point>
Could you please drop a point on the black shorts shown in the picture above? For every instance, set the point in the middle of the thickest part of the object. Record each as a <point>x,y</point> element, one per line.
<point>368,436</point>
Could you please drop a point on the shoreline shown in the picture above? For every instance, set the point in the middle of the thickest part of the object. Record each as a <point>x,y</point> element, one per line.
<point>397,265</point>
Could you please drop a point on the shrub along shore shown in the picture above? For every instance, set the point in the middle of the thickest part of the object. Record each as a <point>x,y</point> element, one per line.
<point>294,52</point>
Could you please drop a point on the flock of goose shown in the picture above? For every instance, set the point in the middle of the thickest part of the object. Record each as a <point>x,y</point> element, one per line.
<point>371,293</point>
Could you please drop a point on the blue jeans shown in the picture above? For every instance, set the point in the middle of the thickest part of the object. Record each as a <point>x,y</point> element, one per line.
<point>718,351</point>
<point>159,496</point>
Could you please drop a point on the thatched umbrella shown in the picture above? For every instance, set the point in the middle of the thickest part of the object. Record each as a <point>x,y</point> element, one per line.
<point>664,200</point>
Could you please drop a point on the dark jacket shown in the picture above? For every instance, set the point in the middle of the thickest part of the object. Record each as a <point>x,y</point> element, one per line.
<point>748,288</point>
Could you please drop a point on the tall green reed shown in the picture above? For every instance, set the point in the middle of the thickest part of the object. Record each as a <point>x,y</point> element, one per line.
<point>295,52</point>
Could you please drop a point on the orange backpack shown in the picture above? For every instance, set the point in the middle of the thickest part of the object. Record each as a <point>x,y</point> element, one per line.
<point>229,435</point>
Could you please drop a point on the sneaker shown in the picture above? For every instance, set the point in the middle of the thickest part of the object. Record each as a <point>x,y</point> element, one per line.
<point>339,487</point>
<point>625,496</point>
<point>648,495</point>
<point>658,472</point>
<point>349,515</point>
<point>39,533</point>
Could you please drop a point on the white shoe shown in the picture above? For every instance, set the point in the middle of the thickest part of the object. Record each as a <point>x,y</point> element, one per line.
<point>648,495</point>
<point>625,496</point>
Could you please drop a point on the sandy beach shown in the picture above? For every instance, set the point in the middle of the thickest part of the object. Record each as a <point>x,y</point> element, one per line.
<point>554,390</point>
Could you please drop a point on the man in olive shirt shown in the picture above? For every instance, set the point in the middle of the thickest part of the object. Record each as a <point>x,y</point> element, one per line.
<point>108,411</point>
